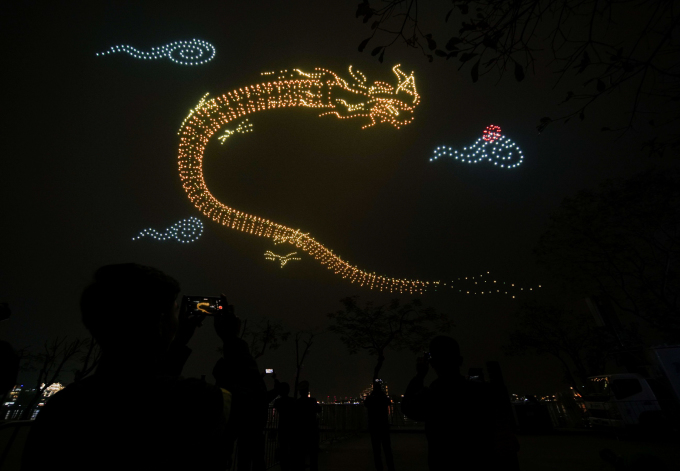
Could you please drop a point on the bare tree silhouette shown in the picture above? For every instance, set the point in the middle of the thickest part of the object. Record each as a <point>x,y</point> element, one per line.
<point>262,335</point>
<point>396,326</point>
<point>622,241</point>
<point>55,355</point>
<point>303,342</point>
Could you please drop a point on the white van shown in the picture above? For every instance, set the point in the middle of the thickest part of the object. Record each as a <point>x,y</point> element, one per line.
<point>620,399</point>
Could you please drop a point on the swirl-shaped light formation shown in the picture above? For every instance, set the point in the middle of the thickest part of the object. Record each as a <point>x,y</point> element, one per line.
<point>194,52</point>
<point>185,231</point>
<point>491,147</point>
<point>381,103</point>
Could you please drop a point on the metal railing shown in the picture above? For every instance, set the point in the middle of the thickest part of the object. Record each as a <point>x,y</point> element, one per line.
<point>622,413</point>
<point>271,438</point>
<point>336,422</point>
<point>563,416</point>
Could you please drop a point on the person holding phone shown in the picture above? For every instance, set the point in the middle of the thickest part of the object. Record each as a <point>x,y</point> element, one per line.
<point>135,411</point>
<point>464,420</point>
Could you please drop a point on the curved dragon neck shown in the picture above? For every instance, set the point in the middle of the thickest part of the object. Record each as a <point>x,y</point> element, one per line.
<point>212,115</point>
<point>216,113</point>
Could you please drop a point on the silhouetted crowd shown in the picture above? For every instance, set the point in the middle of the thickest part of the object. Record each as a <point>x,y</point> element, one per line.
<point>137,411</point>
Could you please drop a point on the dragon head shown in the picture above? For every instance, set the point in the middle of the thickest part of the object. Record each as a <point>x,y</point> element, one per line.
<point>380,102</point>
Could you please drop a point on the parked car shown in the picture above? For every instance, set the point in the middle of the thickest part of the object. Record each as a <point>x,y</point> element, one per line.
<point>626,399</point>
<point>619,399</point>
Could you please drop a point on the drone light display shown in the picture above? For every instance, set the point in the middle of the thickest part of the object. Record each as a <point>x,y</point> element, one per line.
<point>194,52</point>
<point>184,231</point>
<point>375,103</point>
<point>269,255</point>
<point>242,128</point>
<point>483,284</point>
<point>491,147</point>
<point>192,111</point>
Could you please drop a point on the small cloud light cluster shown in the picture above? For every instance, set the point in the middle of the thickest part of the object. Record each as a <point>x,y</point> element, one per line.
<point>185,231</point>
<point>491,147</point>
<point>194,52</point>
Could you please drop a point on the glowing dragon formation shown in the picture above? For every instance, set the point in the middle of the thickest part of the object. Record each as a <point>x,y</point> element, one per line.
<point>375,103</point>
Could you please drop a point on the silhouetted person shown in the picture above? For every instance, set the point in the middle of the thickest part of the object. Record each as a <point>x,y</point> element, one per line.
<point>134,412</point>
<point>464,421</point>
<point>378,404</point>
<point>276,391</point>
<point>307,429</point>
<point>237,372</point>
<point>285,409</point>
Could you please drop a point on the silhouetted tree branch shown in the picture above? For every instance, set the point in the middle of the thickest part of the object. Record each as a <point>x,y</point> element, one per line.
<point>612,45</point>
<point>580,347</point>
<point>623,241</point>
<point>263,335</point>
<point>54,356</point>
<point>303,342</point>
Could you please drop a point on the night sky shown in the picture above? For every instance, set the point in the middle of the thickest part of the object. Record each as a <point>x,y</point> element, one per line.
<point>90,159</point>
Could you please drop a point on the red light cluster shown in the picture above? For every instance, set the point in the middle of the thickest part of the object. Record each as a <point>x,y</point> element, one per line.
<point>492,133</point>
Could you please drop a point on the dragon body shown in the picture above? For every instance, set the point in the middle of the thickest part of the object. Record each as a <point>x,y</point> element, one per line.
<point>375,103</point>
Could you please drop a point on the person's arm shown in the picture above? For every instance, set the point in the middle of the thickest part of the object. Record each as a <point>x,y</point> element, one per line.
<point>237,370</point>
<point>416,397</point>
<point>178,353</point>
<point>505,440</point>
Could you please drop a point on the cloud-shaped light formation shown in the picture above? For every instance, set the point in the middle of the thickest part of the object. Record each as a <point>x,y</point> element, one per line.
<point>491,147</point>
<point>185,231</point>
<point>194,52</point>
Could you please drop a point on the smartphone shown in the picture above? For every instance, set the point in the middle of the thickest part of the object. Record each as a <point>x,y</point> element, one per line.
<point>269,371</point>
<point>203,305</point>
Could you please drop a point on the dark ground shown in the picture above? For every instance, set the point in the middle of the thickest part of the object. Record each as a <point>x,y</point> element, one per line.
<point>562,451</point>
<point>572,451</point>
